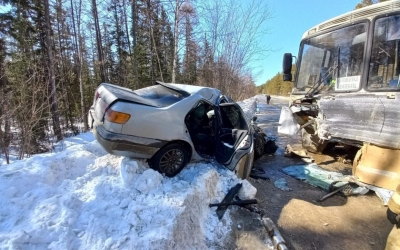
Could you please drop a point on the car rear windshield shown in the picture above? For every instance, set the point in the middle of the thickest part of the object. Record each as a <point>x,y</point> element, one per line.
<point>161,95</point>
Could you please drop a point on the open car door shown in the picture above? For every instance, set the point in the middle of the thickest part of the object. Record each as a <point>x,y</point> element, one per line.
<point>234,147</point>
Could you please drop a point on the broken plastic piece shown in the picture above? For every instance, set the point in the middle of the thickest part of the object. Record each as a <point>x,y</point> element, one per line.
<point>239,203</point>
<point>228,198</point>
<point>273,232</point>
<point>282,184</point>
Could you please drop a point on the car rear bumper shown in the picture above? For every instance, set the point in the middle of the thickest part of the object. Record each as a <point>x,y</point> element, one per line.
<point>126,145</point>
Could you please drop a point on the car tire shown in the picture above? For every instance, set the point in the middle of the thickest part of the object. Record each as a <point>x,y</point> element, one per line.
<point>170,160</point>
<point>259,146</point>
<point>312,143</point>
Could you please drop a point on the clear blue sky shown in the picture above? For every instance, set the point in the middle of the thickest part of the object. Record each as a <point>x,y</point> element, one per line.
<point>291,18</point>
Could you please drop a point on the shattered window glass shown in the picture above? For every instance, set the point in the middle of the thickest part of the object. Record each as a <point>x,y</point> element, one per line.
<point>384,67</point>
<point>162,95</point>
<point>232,118</point>
<point>333,61</point>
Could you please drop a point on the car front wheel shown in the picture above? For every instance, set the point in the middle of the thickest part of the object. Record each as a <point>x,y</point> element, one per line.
<point>170,160</point>
<point>259,146</point>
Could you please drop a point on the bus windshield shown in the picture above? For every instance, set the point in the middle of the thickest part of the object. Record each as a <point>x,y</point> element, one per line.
<point>332,61</point>
<point>384,66</point>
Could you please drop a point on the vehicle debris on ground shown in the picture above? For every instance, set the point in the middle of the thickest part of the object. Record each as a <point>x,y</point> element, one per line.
<point>302,153</point>
<point>334,182</point>
<point>282,184</point>
<point>273,232</point>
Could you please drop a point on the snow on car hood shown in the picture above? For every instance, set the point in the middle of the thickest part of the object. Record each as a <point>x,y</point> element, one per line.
<point>84,198</point>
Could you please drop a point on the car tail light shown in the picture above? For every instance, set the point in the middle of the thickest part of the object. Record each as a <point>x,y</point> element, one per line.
<point>97,95</point>
<point>245,143</point>
<point>116,117</point>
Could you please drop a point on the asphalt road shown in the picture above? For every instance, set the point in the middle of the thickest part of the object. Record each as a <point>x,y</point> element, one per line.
<point>356,222</point>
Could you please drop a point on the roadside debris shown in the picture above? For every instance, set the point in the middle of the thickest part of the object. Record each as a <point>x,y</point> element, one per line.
<point>258,173</point>
<point>273,232</point>
<point>228,198</point>
<point>238,203</point>
<point>254,176</point>
<point>340,189</point>
<point>329,181</point>
<point>313,174</point>
<point>282,184</point>
<point>245,192</point>
<point>289,152</point>
<point>270,146</point>
<point>275,238</point>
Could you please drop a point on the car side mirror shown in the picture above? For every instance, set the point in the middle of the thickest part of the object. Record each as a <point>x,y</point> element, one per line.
<point>287,66</point>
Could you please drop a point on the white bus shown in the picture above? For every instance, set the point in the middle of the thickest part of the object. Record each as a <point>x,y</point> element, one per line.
<point>347,88</point>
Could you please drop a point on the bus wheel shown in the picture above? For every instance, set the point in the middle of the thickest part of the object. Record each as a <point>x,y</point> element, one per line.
<point>312,143</point>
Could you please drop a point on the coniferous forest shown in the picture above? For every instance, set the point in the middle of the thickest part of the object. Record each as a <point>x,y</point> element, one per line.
<point>54,54</point>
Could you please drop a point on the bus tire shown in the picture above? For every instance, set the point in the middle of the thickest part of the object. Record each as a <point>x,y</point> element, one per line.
<point>312,143</point>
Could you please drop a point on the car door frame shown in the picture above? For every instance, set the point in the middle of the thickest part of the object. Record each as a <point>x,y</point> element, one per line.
<point>241,158</point>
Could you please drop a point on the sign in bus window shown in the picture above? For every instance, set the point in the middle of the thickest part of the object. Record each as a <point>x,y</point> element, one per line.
<point>348,83</point>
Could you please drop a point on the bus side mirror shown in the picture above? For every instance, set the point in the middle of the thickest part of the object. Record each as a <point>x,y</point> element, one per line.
<point>287,67</point>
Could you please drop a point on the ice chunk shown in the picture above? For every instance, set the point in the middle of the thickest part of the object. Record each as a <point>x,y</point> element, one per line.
<point>129,169</point>
<point>149,180</point>
<point>247,191</point>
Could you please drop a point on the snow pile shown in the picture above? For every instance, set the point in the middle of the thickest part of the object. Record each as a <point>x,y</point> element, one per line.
<point>84,198</point>
<point>249,107</point>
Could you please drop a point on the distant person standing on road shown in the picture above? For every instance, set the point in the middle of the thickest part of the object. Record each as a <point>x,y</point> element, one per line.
<point>268,98</point>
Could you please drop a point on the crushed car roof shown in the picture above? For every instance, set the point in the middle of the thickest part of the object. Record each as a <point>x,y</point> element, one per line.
<point>210,94</point>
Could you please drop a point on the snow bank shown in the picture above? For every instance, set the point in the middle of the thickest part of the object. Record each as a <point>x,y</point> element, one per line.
<point>249,107</point>
<point>84,198</point>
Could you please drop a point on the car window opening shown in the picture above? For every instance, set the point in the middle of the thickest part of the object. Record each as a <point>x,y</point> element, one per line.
<point>201,126</point>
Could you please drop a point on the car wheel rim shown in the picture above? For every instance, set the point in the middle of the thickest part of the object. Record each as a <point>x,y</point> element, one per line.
<point>171,161</point>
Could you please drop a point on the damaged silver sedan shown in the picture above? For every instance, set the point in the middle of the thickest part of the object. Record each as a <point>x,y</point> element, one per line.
<point>172,124</point>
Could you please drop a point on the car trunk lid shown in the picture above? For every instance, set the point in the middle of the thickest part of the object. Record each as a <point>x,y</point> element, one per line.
<point>107,94</point>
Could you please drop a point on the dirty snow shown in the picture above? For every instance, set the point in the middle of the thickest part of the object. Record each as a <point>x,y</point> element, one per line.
<point>80,197</point>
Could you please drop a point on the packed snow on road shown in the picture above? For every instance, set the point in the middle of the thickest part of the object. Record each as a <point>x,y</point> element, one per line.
<point>80,197</point>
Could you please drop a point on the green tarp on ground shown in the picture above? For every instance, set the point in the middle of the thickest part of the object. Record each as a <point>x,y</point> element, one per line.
<point>318,177</point>
<point>313,174</point>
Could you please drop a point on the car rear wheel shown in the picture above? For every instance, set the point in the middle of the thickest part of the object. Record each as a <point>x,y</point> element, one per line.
<point>170,160</point>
